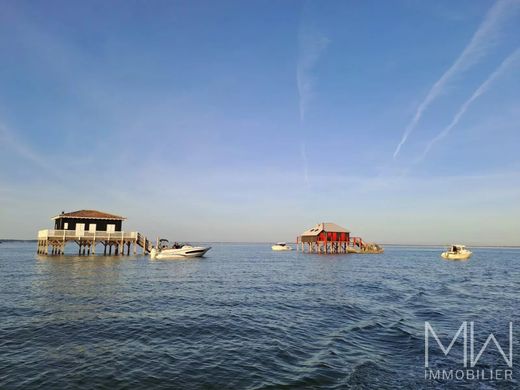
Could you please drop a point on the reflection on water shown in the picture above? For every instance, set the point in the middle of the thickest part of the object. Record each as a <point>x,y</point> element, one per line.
<point>74,287</point>
<point>243,317</point>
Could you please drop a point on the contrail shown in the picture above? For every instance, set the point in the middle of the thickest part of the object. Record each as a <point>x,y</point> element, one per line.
<point>482,41</point>
<point>303,151</point>
<point>311,46</point>
<point>511,59</point>
<point>23,151</point>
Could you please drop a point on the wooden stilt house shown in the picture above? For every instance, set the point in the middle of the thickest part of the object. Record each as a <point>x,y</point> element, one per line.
<point>330,238</point>
<point>87,228</point>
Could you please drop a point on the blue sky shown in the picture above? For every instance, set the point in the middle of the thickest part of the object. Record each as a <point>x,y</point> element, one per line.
<point>252,121</point>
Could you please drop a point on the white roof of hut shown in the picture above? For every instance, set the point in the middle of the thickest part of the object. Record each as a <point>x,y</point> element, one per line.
<point>325,226</point>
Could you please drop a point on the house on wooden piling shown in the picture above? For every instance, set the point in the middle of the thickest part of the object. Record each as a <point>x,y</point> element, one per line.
<point>329,238</point>
<point>87,228</point>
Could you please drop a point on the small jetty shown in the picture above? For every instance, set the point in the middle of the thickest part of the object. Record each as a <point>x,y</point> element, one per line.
<point>330,238</point>
<point>87,228</point>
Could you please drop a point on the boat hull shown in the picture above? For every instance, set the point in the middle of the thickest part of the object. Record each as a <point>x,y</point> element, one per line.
<point>456,256</point>
<point>281,248</point>
<point>181,253</point>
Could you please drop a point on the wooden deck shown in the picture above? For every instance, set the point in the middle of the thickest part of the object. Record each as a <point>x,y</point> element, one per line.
<point>53,242</point>
<point>353,245</point>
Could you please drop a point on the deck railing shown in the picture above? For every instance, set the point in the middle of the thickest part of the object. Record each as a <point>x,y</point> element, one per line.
<point>71,234</point>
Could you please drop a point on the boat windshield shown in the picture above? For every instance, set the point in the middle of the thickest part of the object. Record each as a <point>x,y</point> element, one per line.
<point>281,243</point>
<point>163,243</point>
<point>457,248</point>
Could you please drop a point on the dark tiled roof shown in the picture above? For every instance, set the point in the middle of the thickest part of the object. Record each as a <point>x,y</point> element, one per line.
<point>91,214</point>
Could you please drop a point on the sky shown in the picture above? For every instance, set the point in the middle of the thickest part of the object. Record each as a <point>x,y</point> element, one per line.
<point>255,120</point>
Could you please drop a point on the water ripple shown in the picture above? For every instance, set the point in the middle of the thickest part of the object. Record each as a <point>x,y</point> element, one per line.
<point>245,318</point>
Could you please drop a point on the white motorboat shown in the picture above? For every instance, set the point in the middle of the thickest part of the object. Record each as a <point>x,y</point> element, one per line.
<point>457,252</point>
<point>281,246</point>
<point>163,251</point>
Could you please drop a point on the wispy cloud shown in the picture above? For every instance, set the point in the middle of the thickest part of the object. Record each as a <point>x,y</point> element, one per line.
<point>509,62</point>
<point>484,39</point>
<point>12,142</point>
<point>311,46</point>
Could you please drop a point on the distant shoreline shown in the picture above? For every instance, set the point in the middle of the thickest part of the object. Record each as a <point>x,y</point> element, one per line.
<point>444,245</point>
<point>269,243</point>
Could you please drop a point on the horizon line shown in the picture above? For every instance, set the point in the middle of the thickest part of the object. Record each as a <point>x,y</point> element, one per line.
<point>291,242</point>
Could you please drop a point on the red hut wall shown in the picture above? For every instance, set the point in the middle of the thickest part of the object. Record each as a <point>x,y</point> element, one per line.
<point>334,236</point>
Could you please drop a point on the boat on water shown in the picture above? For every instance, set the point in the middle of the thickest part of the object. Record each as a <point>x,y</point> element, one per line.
<point>177,251</point>
<point>281,246</point>
<point>457,252</point>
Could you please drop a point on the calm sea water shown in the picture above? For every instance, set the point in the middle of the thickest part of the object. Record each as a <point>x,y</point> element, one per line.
<point>245,317</point>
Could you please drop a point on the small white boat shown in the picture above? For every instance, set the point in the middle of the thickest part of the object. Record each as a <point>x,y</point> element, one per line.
<point>457,252</point>
<point>162,251</point>
<point>281,246</point>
